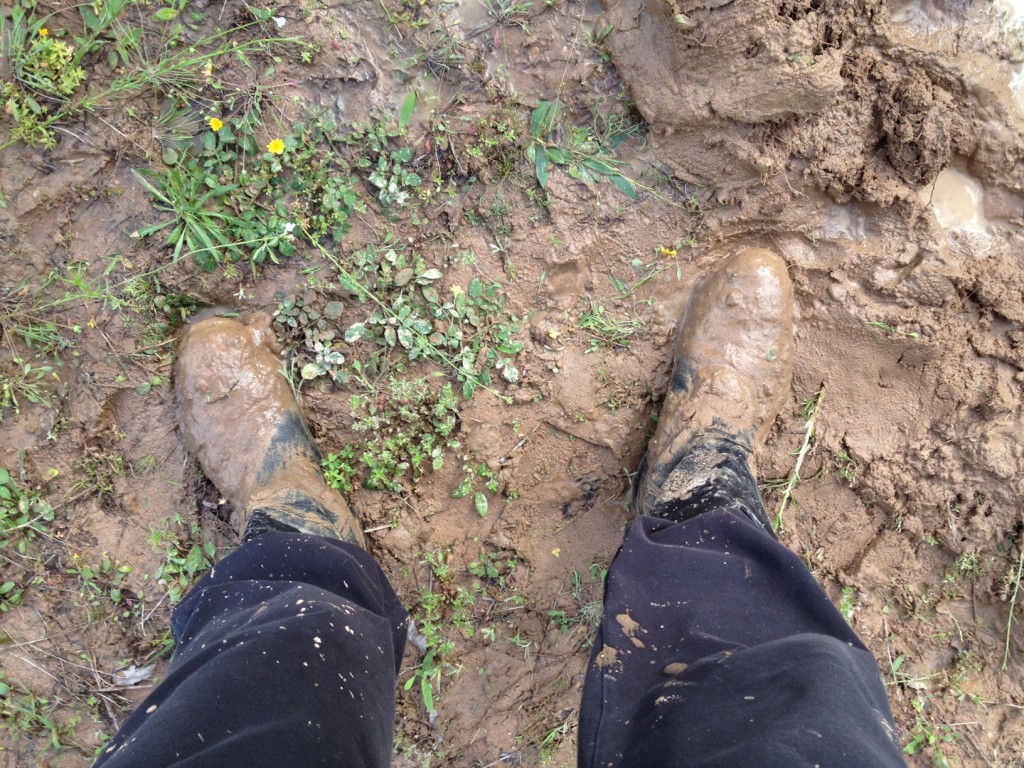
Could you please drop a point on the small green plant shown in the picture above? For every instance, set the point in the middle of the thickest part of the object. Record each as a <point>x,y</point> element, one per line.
<point>339,469</point>
<point>406,432</point>
<point>466,333</point>
<point>848,467</point>
<point>508,11</point>
<point>102,587</point>
<point>583,157</point>
<point>848,603</point>
<point>44,70</point>
<point>492,567</point>
<point>605,330</point>
<point>23,514</point>
<point>234,202</point>
<point>310,336</point>
<point>927,738</point>
<point>477,471</point>
<point>894,330</point>
<point>23,713</point>
<point>588,604</point>
<point>390,167</point>
<point>185,558</point>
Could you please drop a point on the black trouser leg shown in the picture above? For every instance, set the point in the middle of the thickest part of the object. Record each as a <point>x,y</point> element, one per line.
<point>718,648</point>
<point>287,654</point>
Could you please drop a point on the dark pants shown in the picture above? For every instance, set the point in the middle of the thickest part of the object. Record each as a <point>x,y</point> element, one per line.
<point>717,649</point>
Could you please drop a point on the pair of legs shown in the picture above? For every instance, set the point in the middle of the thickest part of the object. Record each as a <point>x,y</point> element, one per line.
<point>717,647</point>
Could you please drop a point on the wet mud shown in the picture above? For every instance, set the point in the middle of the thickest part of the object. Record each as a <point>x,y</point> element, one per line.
<point>876,146</point>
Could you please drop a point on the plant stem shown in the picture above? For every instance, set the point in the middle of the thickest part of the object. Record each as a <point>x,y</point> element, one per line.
<point>810,424</point>
<point>1013,603</point>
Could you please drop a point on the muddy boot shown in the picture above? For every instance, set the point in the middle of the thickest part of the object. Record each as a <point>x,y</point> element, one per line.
<point>239,417</point>
<point>732,375</point>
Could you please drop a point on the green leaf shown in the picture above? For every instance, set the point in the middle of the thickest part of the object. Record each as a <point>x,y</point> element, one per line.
<point>600,166</point>
<point>542,167</point>
<point>559,155</point>
<point>408,107</point>
<point>165,14</point>
<point>624,185</point>
<point>428,694</point>
<point>355,332</point>
<point>464,488</point>
<point>430,294</point>
<point>311,370</point>
<point>480,502</point>
<point>544,117</point>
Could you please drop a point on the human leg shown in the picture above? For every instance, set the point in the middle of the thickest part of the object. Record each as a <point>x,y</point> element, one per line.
<point>717,647</point>
<point>287,652</point>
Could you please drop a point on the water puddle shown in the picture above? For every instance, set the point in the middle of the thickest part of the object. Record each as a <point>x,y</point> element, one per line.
<point>957,199</point>
<point>845,222</point>
<point>472,15</point>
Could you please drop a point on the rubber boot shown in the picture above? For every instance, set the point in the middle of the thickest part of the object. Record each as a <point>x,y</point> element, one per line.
<point>240,419</point>
<point>731,376</point>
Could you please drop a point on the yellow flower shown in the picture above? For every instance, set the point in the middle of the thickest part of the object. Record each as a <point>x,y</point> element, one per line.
<point>668,251</point>
<point>276,147</point>
<point>44,32</point>
<point>216,124</point>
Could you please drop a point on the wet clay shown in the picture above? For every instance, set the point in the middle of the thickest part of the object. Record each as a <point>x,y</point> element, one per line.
<point>240,419</point>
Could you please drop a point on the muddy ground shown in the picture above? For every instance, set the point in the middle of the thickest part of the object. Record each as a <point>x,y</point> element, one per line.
<point>878,146</point>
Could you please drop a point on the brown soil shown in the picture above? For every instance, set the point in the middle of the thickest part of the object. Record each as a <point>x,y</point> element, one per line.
<point>875,145</point>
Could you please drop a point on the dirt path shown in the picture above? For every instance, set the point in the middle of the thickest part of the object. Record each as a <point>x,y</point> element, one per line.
<point>877,146</point>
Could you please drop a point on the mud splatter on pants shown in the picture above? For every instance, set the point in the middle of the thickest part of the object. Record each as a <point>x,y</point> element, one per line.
<point>717,648</point>
<point>287,655</point>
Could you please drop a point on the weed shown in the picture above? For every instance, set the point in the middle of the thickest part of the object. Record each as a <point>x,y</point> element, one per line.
<point>24,713</point>
<point>508,12</point>
<point>339,469</point>
<point>583,156</point>
<point>848,603</point>
<point>45,86</point>
<point>407,431</point>
<point>1010,589</point>
<point>466,333</point>
<point>311,337</point>
<point>390,168</point>
<point>185,558</point>
<point>477,471</point>
<point>810,409</point>
<point>233,202</point>
<point>102,587</point>
<point>927,738</point>
<point>23,514</point>
<point>605,330</point>
<point>848,467</point>
<point>894,330</point>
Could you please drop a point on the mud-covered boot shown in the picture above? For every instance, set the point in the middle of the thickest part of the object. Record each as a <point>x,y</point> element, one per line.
<point>732,375</point>
<point>240,418</point>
